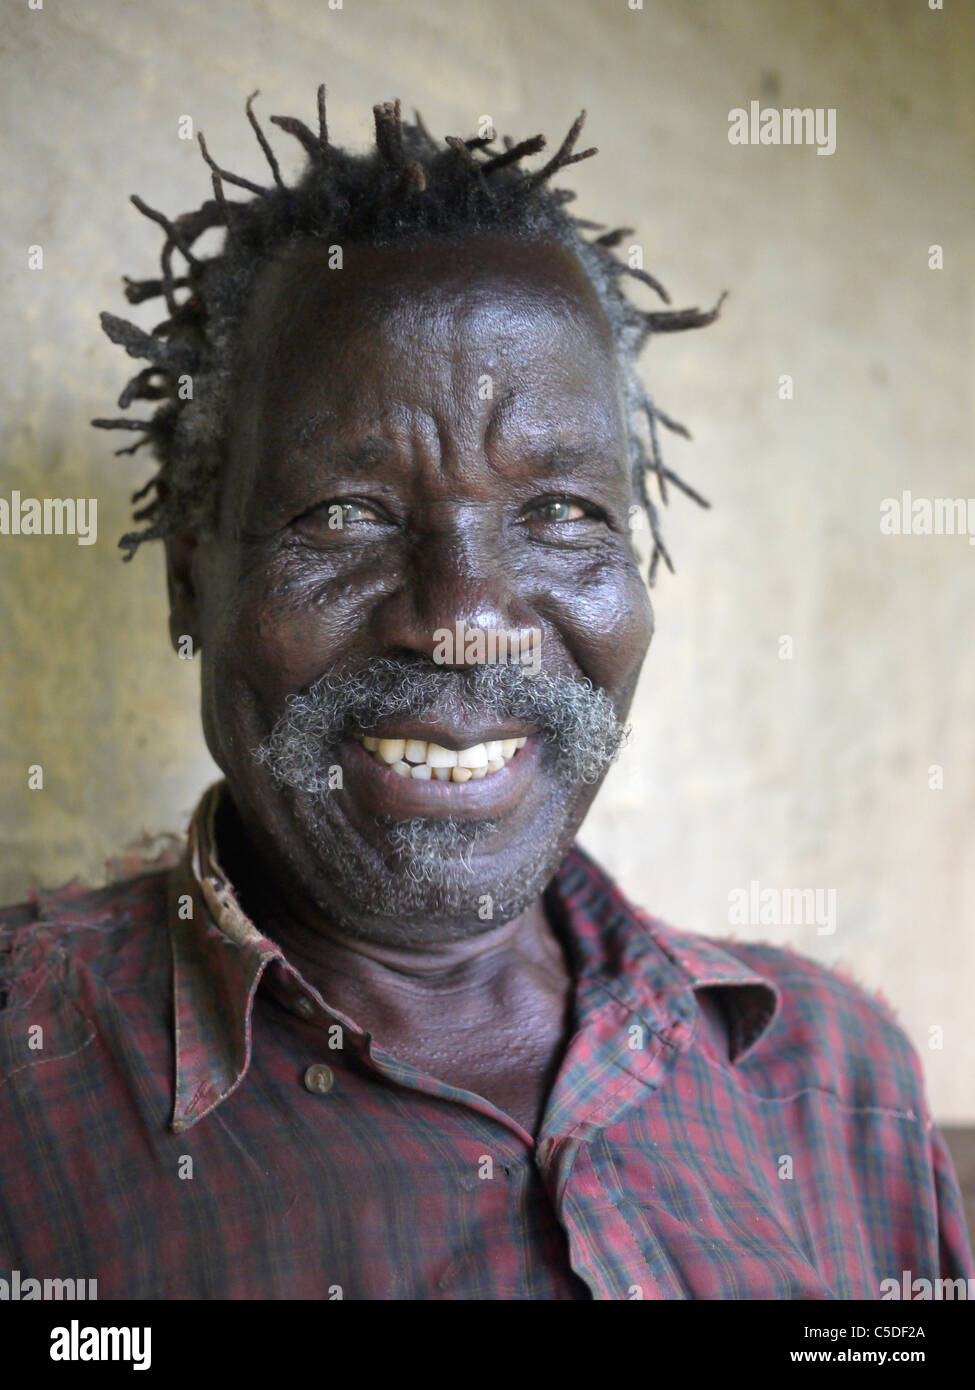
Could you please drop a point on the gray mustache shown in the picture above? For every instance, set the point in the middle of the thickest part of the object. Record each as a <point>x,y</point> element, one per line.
<point>573,716</point>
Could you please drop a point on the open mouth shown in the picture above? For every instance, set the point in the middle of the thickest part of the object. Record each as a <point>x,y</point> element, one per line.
<point>423,761</point>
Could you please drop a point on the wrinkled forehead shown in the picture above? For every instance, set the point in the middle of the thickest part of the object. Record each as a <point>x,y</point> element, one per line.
<point>439,312</point>
<point>310,277</point>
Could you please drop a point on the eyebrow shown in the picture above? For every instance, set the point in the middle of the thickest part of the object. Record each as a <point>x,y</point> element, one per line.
<point>351,458</point>
<point>571,458</point>
<point>555,459</point>
<point>551,460</point>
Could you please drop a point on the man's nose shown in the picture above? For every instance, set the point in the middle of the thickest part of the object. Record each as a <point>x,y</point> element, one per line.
<point>456,578</point>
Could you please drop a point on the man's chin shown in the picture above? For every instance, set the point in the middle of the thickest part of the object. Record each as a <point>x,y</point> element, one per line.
<point>420,880</point>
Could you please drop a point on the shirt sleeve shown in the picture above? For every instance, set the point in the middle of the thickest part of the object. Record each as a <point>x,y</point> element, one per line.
<point>954,1243</point>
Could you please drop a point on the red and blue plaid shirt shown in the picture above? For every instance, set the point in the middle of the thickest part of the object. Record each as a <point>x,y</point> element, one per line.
<point>183,1116</point>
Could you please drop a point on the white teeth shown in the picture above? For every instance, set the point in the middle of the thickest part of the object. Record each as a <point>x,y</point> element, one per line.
<point>416,758</point>
<point>440,757</point>
<point>473,757</point>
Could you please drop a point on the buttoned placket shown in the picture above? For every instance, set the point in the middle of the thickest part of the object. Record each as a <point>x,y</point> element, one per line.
<point>617,1265</point>
<point>288,987</point>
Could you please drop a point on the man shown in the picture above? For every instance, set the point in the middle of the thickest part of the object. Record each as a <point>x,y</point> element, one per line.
<point>385,1031</point>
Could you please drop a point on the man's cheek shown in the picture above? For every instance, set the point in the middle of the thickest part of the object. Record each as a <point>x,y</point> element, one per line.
<point>630,631</point>
<point>275,652</point>
<point>608,631</point>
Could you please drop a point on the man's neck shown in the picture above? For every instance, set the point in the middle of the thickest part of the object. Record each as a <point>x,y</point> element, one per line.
<point>404,985</point>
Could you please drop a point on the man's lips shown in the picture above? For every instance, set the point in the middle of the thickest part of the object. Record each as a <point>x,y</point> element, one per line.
<point>383,792</point>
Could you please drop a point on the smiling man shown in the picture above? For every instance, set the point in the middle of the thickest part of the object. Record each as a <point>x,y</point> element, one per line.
<point>385,1031</point>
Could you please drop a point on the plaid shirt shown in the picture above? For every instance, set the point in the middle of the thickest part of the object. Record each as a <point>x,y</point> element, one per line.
<point>183,1116</point>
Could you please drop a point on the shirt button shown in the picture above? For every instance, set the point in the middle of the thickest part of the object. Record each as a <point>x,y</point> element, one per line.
<point>319,1078</point>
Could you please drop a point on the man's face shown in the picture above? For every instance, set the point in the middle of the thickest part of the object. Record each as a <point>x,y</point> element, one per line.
<point>426,437</point>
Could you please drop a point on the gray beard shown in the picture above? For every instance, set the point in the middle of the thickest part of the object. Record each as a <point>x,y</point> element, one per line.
<point>424,886</point>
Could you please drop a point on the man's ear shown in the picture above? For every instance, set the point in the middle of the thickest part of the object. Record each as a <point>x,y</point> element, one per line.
<point>182,566</point>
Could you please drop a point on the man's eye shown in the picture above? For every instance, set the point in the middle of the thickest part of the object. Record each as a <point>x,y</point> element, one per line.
<point>337,515</point>
<point>558,509</point>
<point>353,511</point>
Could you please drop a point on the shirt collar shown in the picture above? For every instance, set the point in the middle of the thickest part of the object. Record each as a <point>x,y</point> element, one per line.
<point>654,963</point>
<point>220,958</point>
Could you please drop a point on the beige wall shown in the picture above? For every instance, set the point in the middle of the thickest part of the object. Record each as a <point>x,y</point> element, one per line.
<point>804,773</point>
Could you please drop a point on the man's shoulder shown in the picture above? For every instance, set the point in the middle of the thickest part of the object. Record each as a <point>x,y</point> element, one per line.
<point>106,929</point>
<point>831,1031</point>
<point>74,963</point>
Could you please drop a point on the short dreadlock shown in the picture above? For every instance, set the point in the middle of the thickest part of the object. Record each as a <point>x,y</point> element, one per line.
<point>409,186</point>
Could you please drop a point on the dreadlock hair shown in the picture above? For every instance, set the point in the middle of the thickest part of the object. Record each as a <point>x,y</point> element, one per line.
<point>408,187</point>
